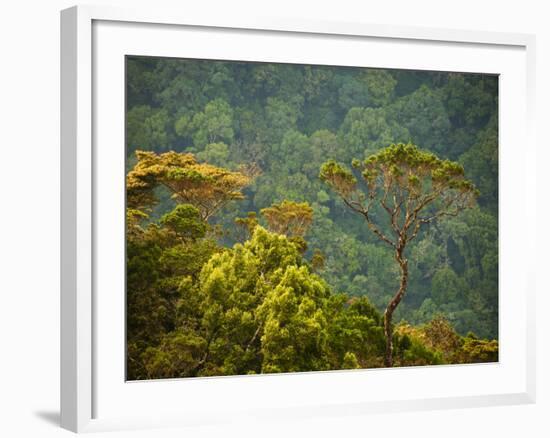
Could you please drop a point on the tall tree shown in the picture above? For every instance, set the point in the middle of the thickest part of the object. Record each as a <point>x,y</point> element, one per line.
<point>411,188</point>
<point>208,188</point>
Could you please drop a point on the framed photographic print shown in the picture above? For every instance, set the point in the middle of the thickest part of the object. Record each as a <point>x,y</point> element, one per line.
<point>289,218</point>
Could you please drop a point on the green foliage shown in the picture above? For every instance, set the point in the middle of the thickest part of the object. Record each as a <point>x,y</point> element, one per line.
<point>289,218</point>
<point>185,221</point>
<point>244,137</point>
<point>365,130</point>
<point>353,93</point>
<point>380,84</point>
<point>417,354</point>
<point>147,129</point>
<point>294,312</point>
<point>482,164</point>
<point>281,117</point>
<point>317,260</point>
<point>447,286</point>
<point>476,350</point>
<point>215,153</point>
<point>412,188</point>
<point>207,187</point>
<point>162,261</point>
<point>425,117</point>
<point>350,361</point>
<point>214,124</point>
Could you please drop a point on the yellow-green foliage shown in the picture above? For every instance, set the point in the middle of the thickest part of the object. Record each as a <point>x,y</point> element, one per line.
<point>437,342</point>
<point>289,218</point>
<point>206,187</point>
<point>212,144</point>
<point>196,309</point>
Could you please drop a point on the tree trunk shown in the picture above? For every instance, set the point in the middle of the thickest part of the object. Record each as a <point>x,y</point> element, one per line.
<point>388,329</point>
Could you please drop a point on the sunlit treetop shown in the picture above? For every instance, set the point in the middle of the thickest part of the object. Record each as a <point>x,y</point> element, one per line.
<point>206,187</point>
<point>289,218</point>
<point>413,186</point>
<point>411,168</point>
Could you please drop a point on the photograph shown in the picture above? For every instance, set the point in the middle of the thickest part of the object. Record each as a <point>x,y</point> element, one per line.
<point>275,219</point>
<point>285,218</point>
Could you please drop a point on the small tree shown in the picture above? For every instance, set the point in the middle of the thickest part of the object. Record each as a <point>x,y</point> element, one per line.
<point>400,189</point>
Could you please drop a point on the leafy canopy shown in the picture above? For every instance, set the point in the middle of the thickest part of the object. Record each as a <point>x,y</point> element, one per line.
<point>207,187</point>
<point>413,186</point>
<point>289,218</point>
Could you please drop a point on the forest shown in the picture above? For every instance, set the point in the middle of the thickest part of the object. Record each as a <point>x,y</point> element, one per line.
<point>287,218</point>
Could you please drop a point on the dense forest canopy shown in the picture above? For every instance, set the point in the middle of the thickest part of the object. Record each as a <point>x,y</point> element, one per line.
<point>232,235</point>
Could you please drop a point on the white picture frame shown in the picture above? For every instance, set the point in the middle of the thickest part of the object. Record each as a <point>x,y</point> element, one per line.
<point>85,378</point>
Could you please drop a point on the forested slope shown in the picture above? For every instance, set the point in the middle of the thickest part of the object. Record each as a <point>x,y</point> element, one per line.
<point>263,131</point>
